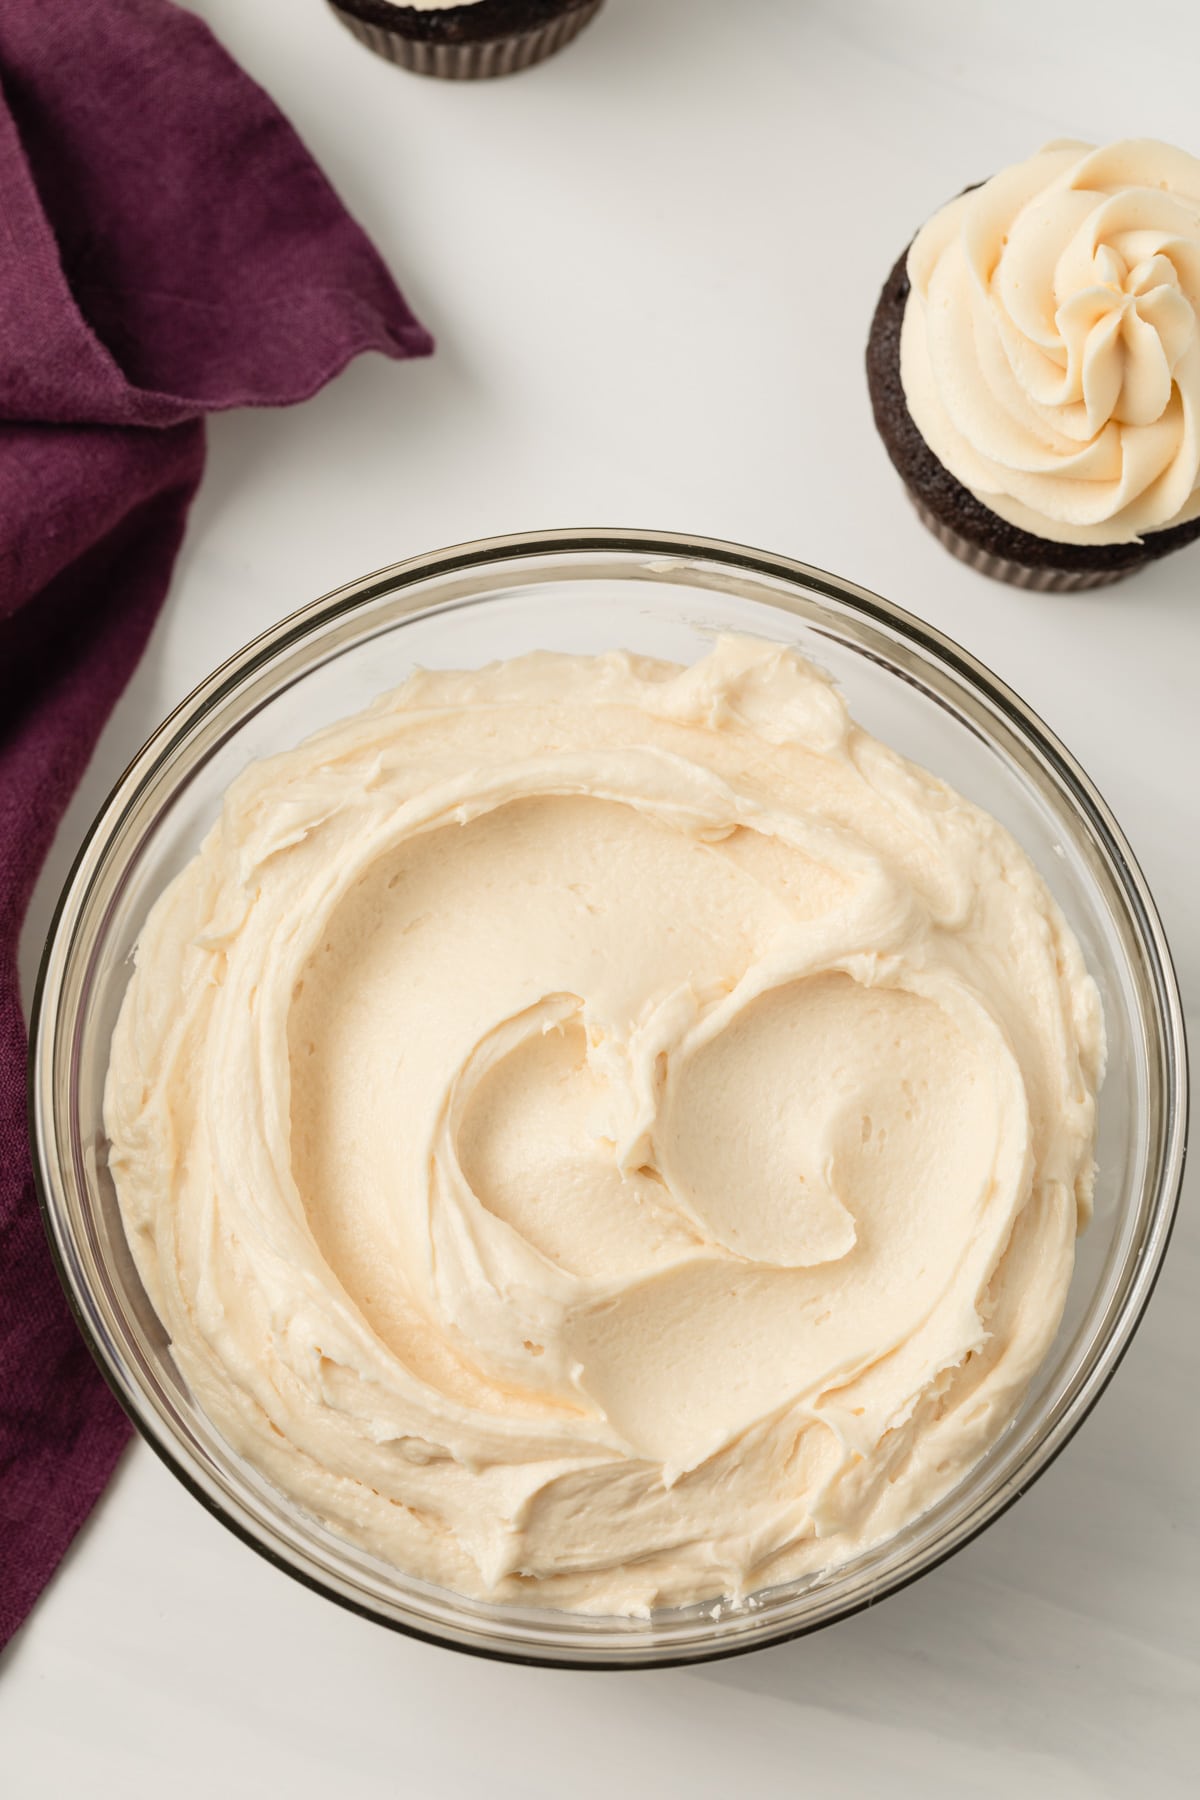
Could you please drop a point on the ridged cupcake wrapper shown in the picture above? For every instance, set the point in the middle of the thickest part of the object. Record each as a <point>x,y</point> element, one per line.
<point>472,61</point>
<point>1040,581</point>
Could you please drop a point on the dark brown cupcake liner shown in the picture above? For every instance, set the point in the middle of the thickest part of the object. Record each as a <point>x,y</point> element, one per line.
<point>1002,568</point>
<point>479,60</point>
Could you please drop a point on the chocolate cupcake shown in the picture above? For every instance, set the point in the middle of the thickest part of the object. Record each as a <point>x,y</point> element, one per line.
<point>1034,366</point>
<point>467,42</point>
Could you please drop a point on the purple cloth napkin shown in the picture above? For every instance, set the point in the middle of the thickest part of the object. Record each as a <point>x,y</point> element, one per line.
<point>167,248</point>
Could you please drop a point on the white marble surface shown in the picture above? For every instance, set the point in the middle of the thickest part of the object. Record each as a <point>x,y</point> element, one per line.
<point>651,265</point>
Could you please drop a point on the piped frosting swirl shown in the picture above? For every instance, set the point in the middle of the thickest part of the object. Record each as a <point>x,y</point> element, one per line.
<point>1050,354</point>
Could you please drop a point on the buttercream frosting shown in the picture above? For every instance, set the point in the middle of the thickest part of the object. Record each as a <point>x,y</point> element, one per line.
<point>1050,354</point>
<point>429,5</point>
<point>606,1134</point>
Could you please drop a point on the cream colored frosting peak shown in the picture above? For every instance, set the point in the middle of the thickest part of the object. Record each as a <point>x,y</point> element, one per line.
<point>1050,352</point>
<point>604,1133</point>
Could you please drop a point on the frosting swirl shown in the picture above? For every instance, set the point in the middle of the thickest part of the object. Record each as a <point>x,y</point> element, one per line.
<point>606,1133</point>
<point>1050,355</point>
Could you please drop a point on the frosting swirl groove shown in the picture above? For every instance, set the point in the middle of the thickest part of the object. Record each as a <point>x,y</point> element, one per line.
<point>604,1133</point>
<point>1050,353</point>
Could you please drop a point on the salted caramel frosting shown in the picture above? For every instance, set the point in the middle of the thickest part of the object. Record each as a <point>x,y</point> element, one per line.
<point>1050,350</point>
<point>604,1134</point>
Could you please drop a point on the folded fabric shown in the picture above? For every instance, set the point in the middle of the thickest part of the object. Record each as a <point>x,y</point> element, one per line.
<point>167,248</point>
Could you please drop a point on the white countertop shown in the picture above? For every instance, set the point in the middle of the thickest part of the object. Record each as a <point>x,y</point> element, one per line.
<point>651,265</point>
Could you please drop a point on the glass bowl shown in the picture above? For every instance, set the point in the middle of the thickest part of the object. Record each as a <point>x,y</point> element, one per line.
<point>661,596</point>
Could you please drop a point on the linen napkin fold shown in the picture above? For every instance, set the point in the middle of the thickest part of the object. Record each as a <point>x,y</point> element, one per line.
<point>167,248</point>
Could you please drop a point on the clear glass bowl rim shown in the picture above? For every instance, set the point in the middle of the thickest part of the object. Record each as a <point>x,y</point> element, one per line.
<point>310,623</point>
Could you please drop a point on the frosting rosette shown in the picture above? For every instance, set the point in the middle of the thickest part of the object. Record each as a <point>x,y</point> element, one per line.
<point>606,1134</point>
<point>1050,353</point>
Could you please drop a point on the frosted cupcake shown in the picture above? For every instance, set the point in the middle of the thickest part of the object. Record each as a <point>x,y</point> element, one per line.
<point>476,39</point>
<point>1034,365</point>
